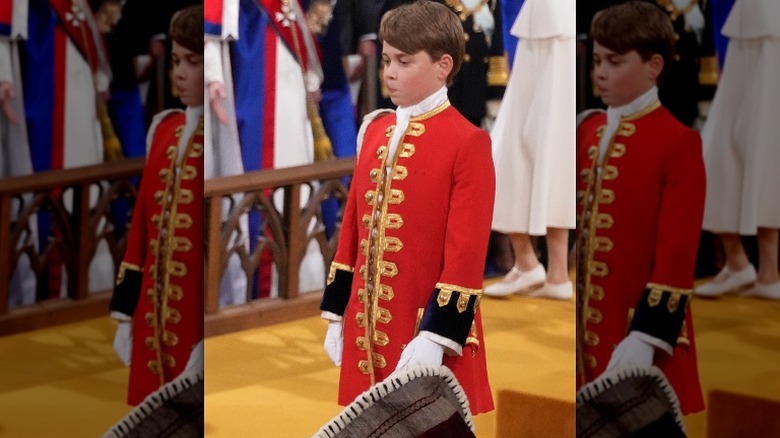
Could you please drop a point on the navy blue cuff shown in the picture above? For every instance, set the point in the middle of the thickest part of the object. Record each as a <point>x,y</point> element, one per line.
<point>661,312</point>
<point>450,313</point>
<point>336,295</point>
<point>126,292</point>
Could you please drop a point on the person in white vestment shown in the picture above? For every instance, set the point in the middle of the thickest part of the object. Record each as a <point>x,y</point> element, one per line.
<point>534,150</point>
<point>14,148</point>
<point>742,155</point>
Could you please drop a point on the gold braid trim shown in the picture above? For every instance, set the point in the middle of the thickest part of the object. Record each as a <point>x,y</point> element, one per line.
<point>445,293</point>
<point>641,113</point>
<point>334,266</point>
<point>675,294</point>
<point>429,114</point>
<point>124,266</point>
<point>472,339</point>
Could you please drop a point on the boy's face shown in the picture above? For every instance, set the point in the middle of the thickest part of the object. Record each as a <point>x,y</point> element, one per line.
<point>188,74</point>
<point>412,78</point>
<point>623,78</point>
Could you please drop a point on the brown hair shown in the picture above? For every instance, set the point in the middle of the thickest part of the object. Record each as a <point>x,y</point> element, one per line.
<point>635,25</point>
<point>187,28</point>
<point>428,26</point>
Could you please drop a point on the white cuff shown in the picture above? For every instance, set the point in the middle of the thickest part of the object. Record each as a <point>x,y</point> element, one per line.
<point>451,348</point>
<point>5,61</point>
<point>212,62</point>
<point>330,316</point>
<point>655,342</point>
<point>121,317</point>
<point>102,81</point>
<point>313,81</point>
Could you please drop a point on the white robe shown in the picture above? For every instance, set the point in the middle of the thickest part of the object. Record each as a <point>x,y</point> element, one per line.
<point>740,137</point>
<point>534,133</point>
<point>15,151</point>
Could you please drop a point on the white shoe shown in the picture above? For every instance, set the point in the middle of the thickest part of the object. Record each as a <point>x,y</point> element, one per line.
<point>769,291</point>
<point>523,281</point>
<point>727,282</point>
<point>562,291</point>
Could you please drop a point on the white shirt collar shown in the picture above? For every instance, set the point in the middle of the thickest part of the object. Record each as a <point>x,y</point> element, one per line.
<point>192,116</point>
<point>614,114</point>
<point>403,114</point>
<point>648,98</point>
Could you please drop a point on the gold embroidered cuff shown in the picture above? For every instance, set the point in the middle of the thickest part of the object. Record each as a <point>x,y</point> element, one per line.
<point>661,311</point>
<point>445,293</point>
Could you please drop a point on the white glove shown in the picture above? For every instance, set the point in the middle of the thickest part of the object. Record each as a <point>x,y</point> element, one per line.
<point>195,362</point>
<point>632,350</point>
<point>123,341</point>
<point>334,342</point>
<point>420,352</point>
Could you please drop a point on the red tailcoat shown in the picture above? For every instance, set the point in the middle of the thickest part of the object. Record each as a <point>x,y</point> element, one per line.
<point>165,243</point>
<point>415,243</point>
<point>639,220</point>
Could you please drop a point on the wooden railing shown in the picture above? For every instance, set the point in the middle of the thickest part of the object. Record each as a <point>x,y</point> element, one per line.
<point>78,202</point>
<point>286,229</point>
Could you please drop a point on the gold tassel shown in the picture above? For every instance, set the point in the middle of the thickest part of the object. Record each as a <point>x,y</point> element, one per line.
<point>112,149</point>
<point>498,71</point>
<point>323,149</point>
<point>708,71</point>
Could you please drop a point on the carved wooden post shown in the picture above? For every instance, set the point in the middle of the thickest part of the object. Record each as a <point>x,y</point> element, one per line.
<point>292,226</point>
<point>215,253</point>
<point>6,251</point>
<point>78,271</point>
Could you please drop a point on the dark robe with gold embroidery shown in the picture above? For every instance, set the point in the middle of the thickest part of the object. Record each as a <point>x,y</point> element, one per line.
<point>160,281</point>
<point>639,218</point>
<point>412,247</point>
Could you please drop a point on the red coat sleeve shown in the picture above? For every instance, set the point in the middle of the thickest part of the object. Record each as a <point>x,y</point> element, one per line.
<point>339,281</point>
<point>453,304</point>
<point>663,304</point>
<point>129,277</point>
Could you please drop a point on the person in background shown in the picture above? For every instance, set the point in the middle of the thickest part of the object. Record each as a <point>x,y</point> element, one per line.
<point>533,148</point>
<point>158,299</point>
<point>741,153</point>
<point>640,200</point>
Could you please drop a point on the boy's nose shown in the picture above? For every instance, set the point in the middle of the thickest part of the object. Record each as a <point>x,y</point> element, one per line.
<point>599,72</point>
<point>389,72</point>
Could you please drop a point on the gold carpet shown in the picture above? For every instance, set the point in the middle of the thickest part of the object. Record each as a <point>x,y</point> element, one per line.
<point>277,381</point>
<point>738,348</point>
<point>63,381</point>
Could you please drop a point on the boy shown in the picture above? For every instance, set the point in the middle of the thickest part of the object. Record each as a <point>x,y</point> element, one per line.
<point>160,281</point>
<point>640,195</point>
<point>406,281</point>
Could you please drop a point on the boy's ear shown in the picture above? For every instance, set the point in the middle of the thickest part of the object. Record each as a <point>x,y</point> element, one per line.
<point>656,64</point>
<point>445,64</point>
